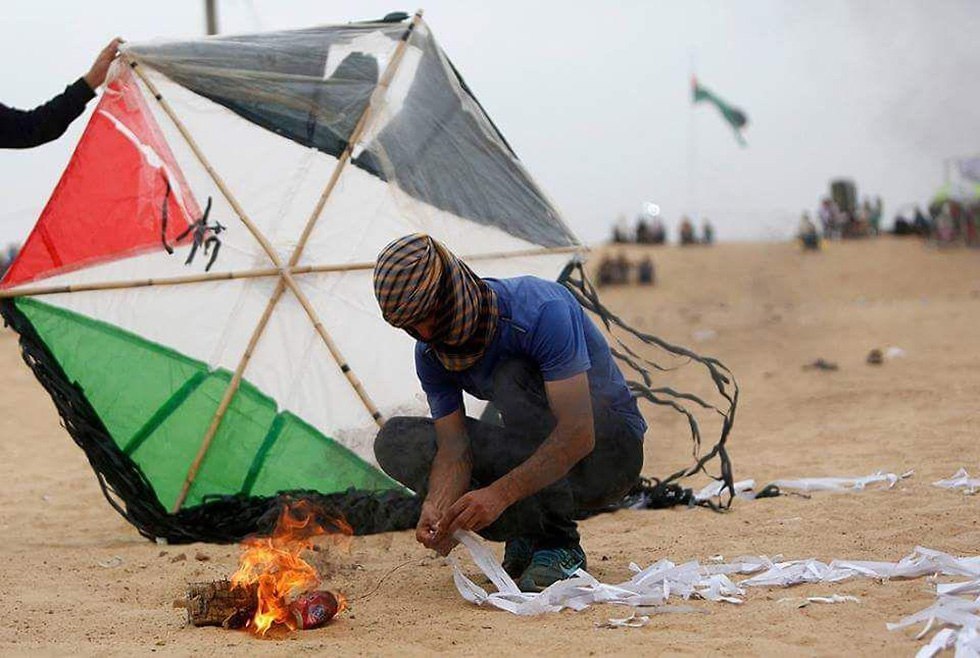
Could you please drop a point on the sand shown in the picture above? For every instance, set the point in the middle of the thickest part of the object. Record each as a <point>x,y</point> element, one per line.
<point>772,308</point>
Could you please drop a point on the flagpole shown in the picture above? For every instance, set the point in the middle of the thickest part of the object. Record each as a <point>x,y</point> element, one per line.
<point>692,147</point>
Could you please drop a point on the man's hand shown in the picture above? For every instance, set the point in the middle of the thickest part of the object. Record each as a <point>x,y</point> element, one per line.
<point>427,531</point>
<point>473,511</point>
<point>100,67</point>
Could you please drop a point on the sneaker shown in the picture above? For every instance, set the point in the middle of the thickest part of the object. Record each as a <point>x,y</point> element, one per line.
<point>517,556</point>
<point>551,565</point>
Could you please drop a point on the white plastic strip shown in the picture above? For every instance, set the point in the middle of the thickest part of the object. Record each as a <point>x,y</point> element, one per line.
<point>746,488</point>
<point>657,583</point>
<point>806,485</point>
<point>960,480</point>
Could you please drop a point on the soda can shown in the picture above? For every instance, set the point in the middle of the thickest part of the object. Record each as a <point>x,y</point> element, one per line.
<point>313,609</point>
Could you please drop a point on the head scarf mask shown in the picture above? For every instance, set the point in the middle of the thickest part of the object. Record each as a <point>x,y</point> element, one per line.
<point>416,278</point>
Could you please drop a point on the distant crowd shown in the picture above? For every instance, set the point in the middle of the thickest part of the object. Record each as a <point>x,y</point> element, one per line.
<point>653,231</point>
<point>838,223</point>
<point>621,271</point>
<point>947,222</point>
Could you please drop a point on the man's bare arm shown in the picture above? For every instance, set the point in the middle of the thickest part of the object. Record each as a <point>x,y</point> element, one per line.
<point>572,439</point>
<point>449,476</point>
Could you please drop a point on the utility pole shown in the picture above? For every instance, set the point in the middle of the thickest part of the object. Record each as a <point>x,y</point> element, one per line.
<point>211,16</point>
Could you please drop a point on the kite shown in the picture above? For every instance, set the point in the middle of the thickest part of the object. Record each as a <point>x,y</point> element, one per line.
<point>196,296</point>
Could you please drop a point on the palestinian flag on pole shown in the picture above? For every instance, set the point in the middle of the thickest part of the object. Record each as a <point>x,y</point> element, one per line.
<point>735,117</point>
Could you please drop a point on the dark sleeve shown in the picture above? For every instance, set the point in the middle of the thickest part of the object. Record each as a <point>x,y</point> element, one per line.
<point>21,129</point>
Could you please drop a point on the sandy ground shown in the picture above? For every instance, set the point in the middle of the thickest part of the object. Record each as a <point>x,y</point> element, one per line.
<point>773,309</point>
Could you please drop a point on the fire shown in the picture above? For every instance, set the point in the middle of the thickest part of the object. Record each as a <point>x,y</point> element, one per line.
<point>274,564</point>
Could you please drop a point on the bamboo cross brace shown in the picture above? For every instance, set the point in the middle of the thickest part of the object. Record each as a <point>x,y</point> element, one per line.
<point>35,291</point>
<point>38,291</point>
<point>345,157</point>
<point>228,396</point>
<point>355,136</point>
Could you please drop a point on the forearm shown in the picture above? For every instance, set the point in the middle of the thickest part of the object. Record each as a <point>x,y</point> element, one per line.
<point>449,476</point>
<point>553,459</point>
<point>24,129</point>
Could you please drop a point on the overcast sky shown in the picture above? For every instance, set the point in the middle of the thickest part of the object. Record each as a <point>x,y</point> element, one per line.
<point>595,97</point>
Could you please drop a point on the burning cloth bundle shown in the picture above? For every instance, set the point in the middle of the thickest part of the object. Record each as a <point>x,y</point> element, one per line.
<point>274,585</point>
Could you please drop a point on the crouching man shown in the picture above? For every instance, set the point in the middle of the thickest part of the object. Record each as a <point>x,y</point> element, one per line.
<point>571,438</point>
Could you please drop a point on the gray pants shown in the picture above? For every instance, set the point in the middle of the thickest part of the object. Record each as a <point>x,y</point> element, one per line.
<point>406,446</point>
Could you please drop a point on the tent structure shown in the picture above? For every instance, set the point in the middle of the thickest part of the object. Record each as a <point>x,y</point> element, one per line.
<point>196,295</point>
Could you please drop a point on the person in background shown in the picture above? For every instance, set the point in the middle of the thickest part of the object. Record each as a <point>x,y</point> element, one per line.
<point>877,212</point>
<point>708,233</point>
<point>606,276</point>
<point>22,129</point>
<point>687,232</point>
<point>808,235</point>
<point>921,224</point>
<point>828,218</point>
<point>645,274</point>
<point>945,224</point>
<point>658,233</point>
<point>643,235</point>
<point>621,231</point>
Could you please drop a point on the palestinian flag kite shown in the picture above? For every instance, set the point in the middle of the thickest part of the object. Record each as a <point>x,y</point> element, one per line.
<point>735,117</point>
<point>197,294</point>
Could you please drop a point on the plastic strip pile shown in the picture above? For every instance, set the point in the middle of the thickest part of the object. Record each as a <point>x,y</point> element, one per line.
<point>653,586</point>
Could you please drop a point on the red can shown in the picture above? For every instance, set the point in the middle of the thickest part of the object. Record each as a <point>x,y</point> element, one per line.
<point>314,609</point>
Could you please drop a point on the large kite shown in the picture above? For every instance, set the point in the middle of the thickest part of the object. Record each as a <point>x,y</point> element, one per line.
<point>197,294</point>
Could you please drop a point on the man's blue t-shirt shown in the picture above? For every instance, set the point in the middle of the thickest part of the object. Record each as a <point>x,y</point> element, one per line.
<point>541,321</point>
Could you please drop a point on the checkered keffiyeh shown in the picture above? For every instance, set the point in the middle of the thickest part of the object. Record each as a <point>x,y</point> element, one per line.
<point>417,277</point>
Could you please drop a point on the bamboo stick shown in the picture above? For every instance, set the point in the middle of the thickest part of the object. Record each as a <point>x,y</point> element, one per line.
<point>366,116</point>
<point>38,291</point>
<point>355,135</point>
<point>348,267</point>
<point>228,396</point>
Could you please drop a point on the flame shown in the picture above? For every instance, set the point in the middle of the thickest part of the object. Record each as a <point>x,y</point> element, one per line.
<point>274,564</point>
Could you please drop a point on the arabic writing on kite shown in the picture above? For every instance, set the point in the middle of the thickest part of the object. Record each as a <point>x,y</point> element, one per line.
<point>202,234</point>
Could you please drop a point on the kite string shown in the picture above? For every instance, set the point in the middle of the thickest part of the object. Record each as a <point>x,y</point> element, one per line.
<point>381,580</point>
<point>576,281</point>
